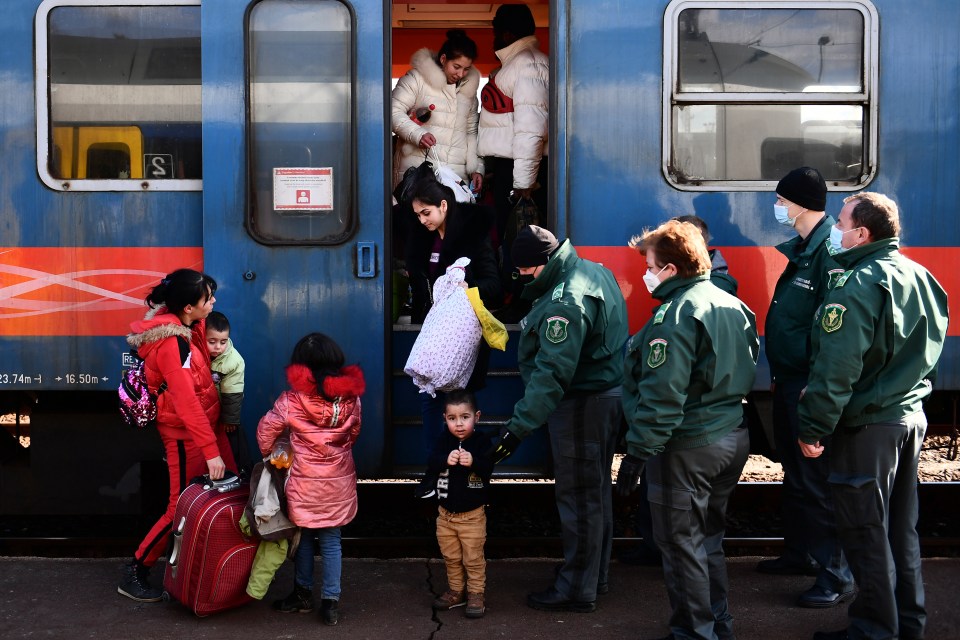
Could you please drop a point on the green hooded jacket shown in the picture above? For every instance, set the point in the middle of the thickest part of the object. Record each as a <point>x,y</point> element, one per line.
<point>876,342</point>
<point>572,339</point>
<point>688,369</point>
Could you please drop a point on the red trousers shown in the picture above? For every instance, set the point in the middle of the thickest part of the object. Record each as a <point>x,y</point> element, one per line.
<point>184,462</point>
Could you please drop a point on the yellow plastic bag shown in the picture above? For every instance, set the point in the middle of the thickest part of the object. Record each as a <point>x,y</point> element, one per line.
<point>493,330</point>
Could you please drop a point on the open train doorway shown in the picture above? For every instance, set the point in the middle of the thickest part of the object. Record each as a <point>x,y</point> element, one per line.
<point>442,58</point>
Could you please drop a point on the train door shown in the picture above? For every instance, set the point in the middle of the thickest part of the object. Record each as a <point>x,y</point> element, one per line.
<point>294,188</point>
<point>415,27</point>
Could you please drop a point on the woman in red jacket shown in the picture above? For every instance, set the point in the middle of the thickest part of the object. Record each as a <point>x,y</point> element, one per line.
<point>321,413</point>
<point>171,341</point>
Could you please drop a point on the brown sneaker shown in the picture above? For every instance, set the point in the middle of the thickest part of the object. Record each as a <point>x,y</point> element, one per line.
<point>449,600</point>
<point>475,606</point>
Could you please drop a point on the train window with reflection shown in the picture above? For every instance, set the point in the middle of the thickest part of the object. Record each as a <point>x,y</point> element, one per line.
<point>301,126</point>
<point>755,89</point>
<point>121,107</point>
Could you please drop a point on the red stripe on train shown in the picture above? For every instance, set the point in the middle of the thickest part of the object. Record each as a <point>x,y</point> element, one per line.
<point>756,270</point>
<point>82,291</point>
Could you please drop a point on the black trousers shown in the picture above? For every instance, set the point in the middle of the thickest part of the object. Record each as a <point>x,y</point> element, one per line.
<point>873,474</point>
<point>689,491</point>
<point>583,436</point>
<point>809,522</point>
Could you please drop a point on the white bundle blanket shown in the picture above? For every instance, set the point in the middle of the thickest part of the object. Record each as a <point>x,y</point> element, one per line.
<point>445,352</point>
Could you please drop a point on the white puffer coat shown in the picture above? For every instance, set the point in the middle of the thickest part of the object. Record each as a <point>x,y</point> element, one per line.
<point>453,122</point>
<point>524,76</point>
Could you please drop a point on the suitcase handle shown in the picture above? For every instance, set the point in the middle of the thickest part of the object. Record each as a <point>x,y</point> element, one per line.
<point>177,542</point>
<point>229,482</point>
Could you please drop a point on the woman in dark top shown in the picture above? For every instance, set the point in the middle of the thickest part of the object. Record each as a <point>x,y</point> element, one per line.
<point>449,230</point>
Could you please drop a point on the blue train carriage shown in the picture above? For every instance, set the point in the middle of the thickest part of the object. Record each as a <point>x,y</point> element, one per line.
<point>660,109</point>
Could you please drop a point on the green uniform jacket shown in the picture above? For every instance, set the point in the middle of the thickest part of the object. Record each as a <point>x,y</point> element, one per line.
<point>229,370</point>
<point>876,342</point>
<point>572,339</point>
<point>799,292</point>
<point>688,369</point>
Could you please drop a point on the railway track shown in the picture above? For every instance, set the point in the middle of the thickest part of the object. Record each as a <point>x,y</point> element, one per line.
<point>522,522</point>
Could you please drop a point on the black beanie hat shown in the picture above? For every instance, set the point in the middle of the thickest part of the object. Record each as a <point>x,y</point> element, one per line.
<point>533,246</point>
<point>805,187</point>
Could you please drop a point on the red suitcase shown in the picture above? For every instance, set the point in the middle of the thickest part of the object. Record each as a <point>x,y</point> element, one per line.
<point>211,559</point>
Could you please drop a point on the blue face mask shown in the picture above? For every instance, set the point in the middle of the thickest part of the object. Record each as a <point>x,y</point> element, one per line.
<point>783,215</point>
<point>836,240</point>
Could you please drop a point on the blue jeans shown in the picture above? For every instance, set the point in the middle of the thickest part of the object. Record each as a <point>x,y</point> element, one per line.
<point>330,551</point>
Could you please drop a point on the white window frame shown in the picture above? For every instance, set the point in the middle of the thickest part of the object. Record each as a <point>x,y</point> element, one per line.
<point>42,85</point>
<point>673,97</point>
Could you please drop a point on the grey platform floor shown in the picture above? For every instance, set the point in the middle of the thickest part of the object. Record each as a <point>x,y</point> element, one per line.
<point>390,599</point>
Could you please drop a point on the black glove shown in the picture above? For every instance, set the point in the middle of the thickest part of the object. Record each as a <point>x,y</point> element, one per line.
<point>629,475</point>
<point>505,447</point>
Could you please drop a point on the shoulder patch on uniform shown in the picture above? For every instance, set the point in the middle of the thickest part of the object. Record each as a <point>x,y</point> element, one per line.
<point>658,353</point>
<point>557,292</point>
<point>832,318</point>
<point>842,278</point>
<point>833,277</point>
<point>556,331</point>
<point>661,312</point>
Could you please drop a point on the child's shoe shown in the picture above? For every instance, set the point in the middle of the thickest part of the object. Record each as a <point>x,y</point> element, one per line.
<point>300,601</point>
<point>329,612</point>
<point>449,600</point>
<point>475,606</point>
<point>427,488</point>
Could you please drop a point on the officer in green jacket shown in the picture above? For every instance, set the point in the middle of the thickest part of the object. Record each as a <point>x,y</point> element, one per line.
<point>809,528</point>
<point>571,362</point>
<point>876,343</point>
<point>686,374</point>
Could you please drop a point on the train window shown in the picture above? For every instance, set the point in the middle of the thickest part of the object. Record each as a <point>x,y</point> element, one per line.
<point>302,94</point>
<point>121,107</point>
<point>753,89</point>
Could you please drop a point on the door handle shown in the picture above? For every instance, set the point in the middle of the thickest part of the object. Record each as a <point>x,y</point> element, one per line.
<point>366,260</point>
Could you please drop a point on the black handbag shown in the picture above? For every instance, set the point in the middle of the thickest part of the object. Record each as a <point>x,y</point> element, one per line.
<point>404,190</point>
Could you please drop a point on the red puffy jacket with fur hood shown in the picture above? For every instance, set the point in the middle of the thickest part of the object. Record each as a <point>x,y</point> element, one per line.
<point>322,488</point>
<point>189,408</point>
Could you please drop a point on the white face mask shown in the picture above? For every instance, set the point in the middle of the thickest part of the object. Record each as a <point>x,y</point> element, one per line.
<point>783,215</point>
<point>651,279</point>
<point>836,240</point>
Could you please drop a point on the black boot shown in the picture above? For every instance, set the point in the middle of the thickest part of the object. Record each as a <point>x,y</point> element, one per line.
<point>300,601</point>
<point>328,609</point>
<point>135,583</point>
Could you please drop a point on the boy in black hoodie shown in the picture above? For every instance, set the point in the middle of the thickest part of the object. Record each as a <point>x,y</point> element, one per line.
<point>463,465</point>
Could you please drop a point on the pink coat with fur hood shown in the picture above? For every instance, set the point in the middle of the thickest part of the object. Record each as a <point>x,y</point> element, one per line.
<point>322,489</point>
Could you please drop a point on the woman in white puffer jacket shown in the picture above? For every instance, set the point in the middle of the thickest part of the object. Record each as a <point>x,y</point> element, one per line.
<point>446,84</point>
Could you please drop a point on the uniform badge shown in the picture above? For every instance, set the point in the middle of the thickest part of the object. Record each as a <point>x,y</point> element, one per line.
<point>833,277</point>
<point>658,353</point>
<point>557,292</point>
<point>556,329</point>
<point>832,318</point>
<point>842,279</point>
<point>661,312</point>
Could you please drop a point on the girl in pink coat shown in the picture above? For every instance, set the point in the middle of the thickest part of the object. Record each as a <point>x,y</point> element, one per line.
<point>321,412</point>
